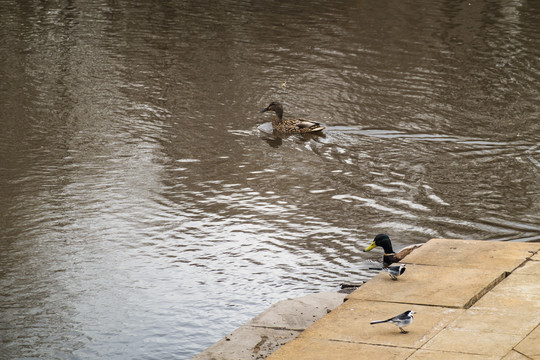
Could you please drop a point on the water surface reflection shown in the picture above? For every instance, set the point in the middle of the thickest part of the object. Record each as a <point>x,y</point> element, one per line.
<point>146,208</point>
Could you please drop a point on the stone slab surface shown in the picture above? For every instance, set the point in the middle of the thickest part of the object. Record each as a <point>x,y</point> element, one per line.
<point>351,323</point>
<point>518,284</point>
<point>514,355</point>
<point>530,346</point>
<point>509,303</point>
<point>474,300</point>
<point>321,349</point>
<point>248,342</point>
<point>483,320</point>
<point>499,321</point>
<point>467,304</point>
<point>298,313</point>
<point>517,294</point>
<point>430,285</point>
<point>531,267</point>
<point>423,354</point>
<point>504,256</point>
<point>473,342</point>
<point>266,332</point>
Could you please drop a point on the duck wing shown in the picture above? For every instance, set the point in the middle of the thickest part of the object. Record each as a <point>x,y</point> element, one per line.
<point>306,124</point>
<point>406,251</point>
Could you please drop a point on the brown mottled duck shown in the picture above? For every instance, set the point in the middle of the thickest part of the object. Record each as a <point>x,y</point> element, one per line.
<point>291,126</point>
<point>390,256</point>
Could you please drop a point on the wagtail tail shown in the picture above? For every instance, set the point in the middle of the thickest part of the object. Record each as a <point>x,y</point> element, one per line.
<point>400,321</point>
<point>393,271</point>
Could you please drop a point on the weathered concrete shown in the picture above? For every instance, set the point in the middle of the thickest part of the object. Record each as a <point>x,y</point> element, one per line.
<point>530,346</point>
<point>505,256</point>
<point>473,300</point>
<point>276,326</point>
<point>350,323</point>
<point>323,349</point>
<point>431,285</point>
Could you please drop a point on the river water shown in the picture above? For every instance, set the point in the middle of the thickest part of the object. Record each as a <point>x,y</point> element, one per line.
<point>146,208</point>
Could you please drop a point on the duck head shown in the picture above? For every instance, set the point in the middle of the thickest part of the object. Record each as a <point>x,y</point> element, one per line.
<point>276,107</point>
<point>383,241</point>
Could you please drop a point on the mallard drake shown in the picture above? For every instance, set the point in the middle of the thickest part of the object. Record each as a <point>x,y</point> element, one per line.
<point>390,256</point>
<point>291,126</point>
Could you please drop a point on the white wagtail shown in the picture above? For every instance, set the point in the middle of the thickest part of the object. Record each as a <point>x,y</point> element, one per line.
<point>400,321</point>
<point>394,271</point>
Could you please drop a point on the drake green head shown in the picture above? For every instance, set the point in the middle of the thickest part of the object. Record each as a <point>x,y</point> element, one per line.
<point>383,241</point>
<point>389,256</point>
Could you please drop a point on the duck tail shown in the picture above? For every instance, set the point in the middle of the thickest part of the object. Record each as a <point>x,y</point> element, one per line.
<point>412,247</point>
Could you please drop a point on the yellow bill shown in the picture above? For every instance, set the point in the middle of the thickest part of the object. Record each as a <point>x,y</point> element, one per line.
<point>373,245</point>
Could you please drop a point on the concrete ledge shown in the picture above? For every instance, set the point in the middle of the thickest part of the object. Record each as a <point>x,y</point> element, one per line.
<point>276,326</point>
<point>351,323</point>
<point>322,349</point>
<point>445,355</point>
<point>469,254</point>
<point>473,300</point>
<point>431,285</point>
<point>530,346</point>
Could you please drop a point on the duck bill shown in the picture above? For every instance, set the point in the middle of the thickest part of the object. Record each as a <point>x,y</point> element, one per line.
<point>372,246</point>
<point>264,110</point>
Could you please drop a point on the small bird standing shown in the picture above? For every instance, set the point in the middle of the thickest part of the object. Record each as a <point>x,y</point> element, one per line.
<point>291,126</point>
<point>400,321</point>
<point>395,271</point>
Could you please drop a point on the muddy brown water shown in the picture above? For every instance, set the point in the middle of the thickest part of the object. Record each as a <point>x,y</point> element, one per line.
<point>147,209</point>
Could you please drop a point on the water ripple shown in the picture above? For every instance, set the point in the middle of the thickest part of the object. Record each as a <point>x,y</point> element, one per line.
<point>147,206</point>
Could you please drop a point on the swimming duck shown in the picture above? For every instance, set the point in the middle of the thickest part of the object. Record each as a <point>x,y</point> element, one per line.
<point>291,126</point>
<point>390,256</point>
